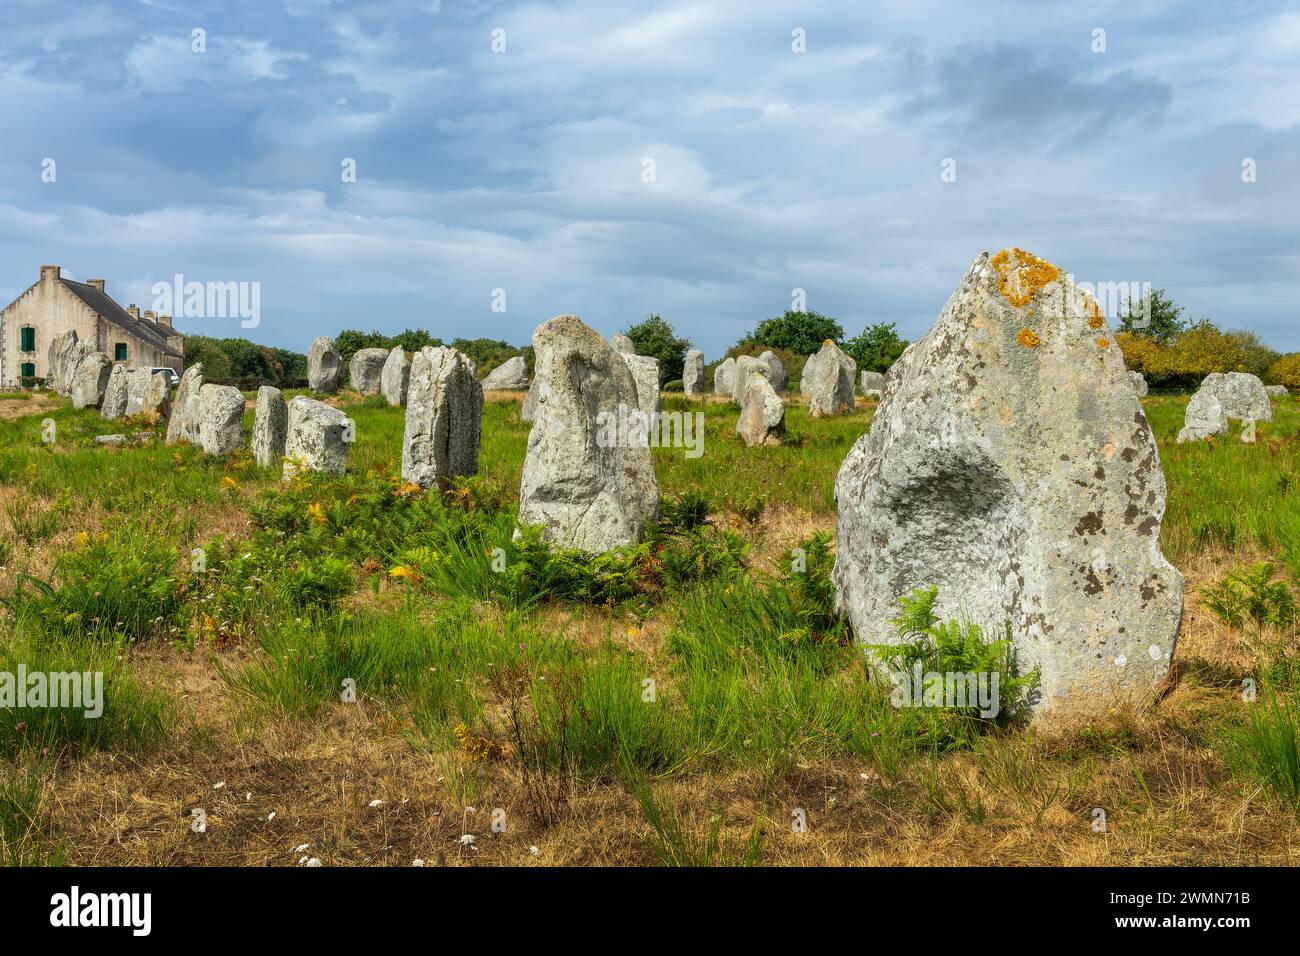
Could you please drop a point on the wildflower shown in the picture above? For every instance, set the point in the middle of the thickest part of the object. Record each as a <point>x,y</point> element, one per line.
<point>229,482</point>
<point>83,539</point>
<point>401,571</point>
<point>316,512</point>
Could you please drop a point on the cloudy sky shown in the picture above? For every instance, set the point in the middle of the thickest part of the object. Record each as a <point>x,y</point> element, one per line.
<point>613,162</point>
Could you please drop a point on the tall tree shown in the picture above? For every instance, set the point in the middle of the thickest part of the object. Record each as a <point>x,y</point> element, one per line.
<point>655,337</point>
<point>1154,317</point>
<point>802,332</point>
<point>876,348</point>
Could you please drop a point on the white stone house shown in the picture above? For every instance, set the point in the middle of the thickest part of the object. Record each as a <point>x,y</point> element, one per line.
<point>55,304</point>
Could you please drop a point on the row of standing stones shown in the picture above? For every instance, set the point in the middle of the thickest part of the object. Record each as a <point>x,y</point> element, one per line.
<point>1009,464</point>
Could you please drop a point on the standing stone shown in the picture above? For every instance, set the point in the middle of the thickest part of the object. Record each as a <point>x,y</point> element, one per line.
<point>221,419</point>
<point>762,418</point>
<point>693,374</point>
<point>747,367</point>
<point>1139,383</point>
<point>270,427</point>
<point>623,344</point>
<point>365,370</point>
<point>1241,394</point>
<point>156,395</point>
<point>184,422</point>
<point>589,484</point>
<point>1204,417</point>
<point>317,438</point>
<point>1277,391</point>
<point>778,376</point>
<point>724,378</point>
<point>529,410</point>
<point>395,377</point>
<point>324,366</point>
<point>137,390</point>
<point>830,389</point>
<point>444,418</point>
<point>873,383</point>
<point>64,355</point>
<point>645,372</point>
<point>510,376</point>
<point>90,380</point>
<point>114,404</point>
<point>1011,467</point>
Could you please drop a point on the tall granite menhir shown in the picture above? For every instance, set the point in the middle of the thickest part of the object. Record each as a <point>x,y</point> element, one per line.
<point>589,486</point>
<point>444,418</point>
<point>1011,466</point>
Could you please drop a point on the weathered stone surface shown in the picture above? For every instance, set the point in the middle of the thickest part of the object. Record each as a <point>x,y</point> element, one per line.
<point>137,390</point>
<point>872,383</point>
<point>111,440</point>
<point>645,372</point>
<point>1139,383</point>
<point>89,380</point>
<point>183,425</point>
<point>623,344</point>
<point>1241,394</point>
<point>157,396</point>
<point>693,374</point>
<point>762,417</point>
<point>270,427</point>
<point>530,402</point>
<point>724,378</point>
<point>747,367</point>
<point>444,418</point>
<point>395,377</point>
<point>777,374</point>
<point>324,366</point>
<point>830,388</point>
<point>64,355</point>
<point>1277,391</point>
<point>588,484</point>
<point>318,438</point>
<point>1203,417</point>
<point>221,419</point>
<point>365,370</point>
<point>510,376</point>
<point>1010,466</point>
<point>114,403</point>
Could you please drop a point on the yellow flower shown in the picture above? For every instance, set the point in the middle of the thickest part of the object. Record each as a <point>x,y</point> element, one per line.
<point>401,571</point>
<point>229,482</point>
<point>1028,338</point>
<point>406,489</point>
<point>83,539</point>
<point>316,511</point>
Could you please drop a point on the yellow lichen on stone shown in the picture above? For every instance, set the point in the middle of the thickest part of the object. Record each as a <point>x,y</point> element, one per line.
<point>1103,344</point>
<point>1095,317</point>
<point>825,343</point>
<point>1028,338</point>
<point>1021,274</point>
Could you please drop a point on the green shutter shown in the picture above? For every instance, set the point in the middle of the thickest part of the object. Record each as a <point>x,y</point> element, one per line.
<point>119,352</point>
<point>27,339</point>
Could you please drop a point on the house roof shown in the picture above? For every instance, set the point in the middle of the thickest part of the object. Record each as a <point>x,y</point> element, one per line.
<point>104,306</point>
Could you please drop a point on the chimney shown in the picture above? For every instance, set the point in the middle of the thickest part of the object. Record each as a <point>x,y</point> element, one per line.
<point>132,311</point>
<point>97,283</point>
<point>149,314</point>
<point>52,272</point>
<point>165,320</point>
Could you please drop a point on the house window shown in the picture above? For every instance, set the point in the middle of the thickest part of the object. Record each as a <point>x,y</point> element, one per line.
<point>28,370</point>
<point>119,352</point>
<point>27,339</point>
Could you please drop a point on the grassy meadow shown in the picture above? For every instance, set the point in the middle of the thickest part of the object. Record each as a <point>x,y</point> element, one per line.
<point>356,671</point>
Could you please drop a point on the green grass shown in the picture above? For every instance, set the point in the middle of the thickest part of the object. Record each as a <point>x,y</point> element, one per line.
<point>755,671</point>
